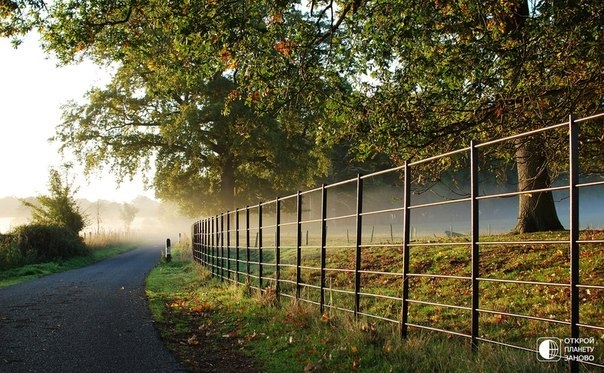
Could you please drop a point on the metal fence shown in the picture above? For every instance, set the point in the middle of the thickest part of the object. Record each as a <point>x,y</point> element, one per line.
<point>431,250</point>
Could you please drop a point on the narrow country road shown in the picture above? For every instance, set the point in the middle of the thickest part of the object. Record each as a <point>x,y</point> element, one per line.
<point>93,319</point>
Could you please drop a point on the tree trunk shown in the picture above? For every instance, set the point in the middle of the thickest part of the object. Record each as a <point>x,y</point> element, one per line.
<point>536,210</point>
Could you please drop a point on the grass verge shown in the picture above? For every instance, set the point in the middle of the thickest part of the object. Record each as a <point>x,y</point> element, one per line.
<point>33,271</point>
<point>199,317</point>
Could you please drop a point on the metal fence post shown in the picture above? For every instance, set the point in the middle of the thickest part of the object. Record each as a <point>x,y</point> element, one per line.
<point>475,247</point>
<point>198,239</point>
<point>298,243</point>
<point>221,239</point>
<point>573,144</point>
<point>237,245</point>
<point>247,244</point>
<point>194,240</point>
<point>406,235</point>
<point>228,244</point>
<point>277,246</point>
<point>260,247</point>
<point>212,239</point>
<point>323,245</point>
<point>206,244</point>
<point>202,237</point>
<point>359,240</point>
<point>217,245</point>
<point>192,231</point>
<point>208,258</point>
<point>215,250</point>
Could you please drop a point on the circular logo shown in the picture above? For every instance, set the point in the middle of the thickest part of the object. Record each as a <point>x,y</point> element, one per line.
<point>549,349</point>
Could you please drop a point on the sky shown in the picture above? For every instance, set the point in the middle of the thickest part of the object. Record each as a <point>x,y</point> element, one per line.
<point>32,90</point>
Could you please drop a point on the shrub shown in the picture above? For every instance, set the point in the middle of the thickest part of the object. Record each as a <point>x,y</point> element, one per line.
<point>60,207</point>
<point>10,255</point>
<point>41,242</point>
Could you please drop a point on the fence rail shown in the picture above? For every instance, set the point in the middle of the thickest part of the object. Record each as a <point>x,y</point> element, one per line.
<point>393,238</point>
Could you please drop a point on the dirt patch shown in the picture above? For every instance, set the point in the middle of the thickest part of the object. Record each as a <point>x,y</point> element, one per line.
<point>200,345</point>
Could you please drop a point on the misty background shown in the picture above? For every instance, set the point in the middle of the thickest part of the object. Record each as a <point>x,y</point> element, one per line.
<point>153,220</point>
<point>382,211</point>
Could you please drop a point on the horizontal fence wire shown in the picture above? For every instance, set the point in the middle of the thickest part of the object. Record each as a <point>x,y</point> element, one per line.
<point>291,244</point>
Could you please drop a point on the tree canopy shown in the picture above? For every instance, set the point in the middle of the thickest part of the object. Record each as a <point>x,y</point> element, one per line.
<point>222,94</point>
<point>18,17</point>
<point>177,103</point>
<point>446,72</point>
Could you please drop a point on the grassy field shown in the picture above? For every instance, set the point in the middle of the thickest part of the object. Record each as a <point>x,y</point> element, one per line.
<point>441,275</point>
<point>33,271</point>
<point>289,336</point>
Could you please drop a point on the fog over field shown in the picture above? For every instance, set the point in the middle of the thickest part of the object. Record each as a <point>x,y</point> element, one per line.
<point>159,220</point>
<point>153,220</point>
<point>382,205</point>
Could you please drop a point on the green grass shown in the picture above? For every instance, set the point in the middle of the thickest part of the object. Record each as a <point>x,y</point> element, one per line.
<point>540,262</point>
<point>284,336</point>
<point>33,271</point>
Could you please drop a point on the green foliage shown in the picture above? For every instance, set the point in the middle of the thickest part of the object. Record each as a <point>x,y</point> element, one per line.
<point>227,97</point>
<point>43,242</point>
<point>10,255</point>
<point>448,72</point>
<point>17,17</point>
<point>205,157</point>
<point>59,208</point>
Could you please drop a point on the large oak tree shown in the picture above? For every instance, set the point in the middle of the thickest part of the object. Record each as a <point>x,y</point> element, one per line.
<point>185,98</point>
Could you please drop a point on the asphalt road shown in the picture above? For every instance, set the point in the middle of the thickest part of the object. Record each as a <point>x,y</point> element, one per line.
<point>93,319</point>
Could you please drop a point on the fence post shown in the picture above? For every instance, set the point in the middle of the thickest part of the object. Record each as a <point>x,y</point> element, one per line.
<point>217,259</point>
<point>208,258</point>
<point>406,248</point>
<point>573,144</point>
<point>260,247</point>
<point>359,240</point>
<point>202,237</point>
<point>277,247</point>
<point>323,245</point>
<point>216,245</point>
<point>475,247</point>
<point>211,251</point>
<point>211,256</point>
<point>237,245</point>
<point>192,232</point>
<point>207,234</point>
<point>200,233</point>
<point>298,243</point>
<point>228,244</point>
<point>199,240</point>
<point>194,239</point>
<point>168,250</point>
<point>247,244</point>
<point>221,239</point>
